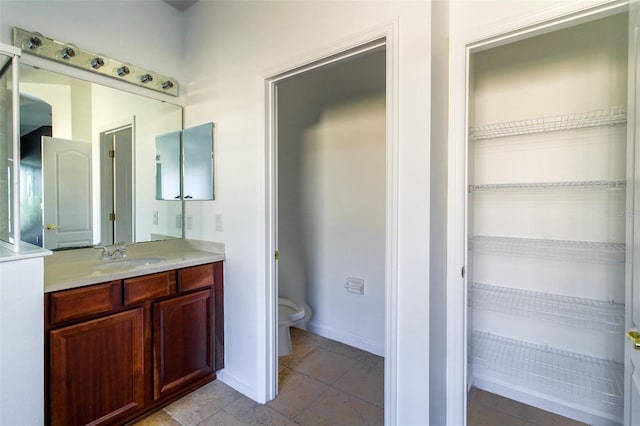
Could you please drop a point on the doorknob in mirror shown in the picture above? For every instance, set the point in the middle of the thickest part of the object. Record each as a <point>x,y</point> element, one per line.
<point>634,336</point>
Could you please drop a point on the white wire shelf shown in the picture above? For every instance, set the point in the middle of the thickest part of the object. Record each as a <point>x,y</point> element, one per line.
<point>576,312</point>
<point>583,251</point>
<point>554,372</point>
<point>601,117</point>
<point>538,186</point>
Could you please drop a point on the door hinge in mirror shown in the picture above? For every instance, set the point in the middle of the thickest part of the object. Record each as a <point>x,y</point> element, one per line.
<point>112,153</point>
<point>276,255</point>
<point>112,217</point>
<point>462,272</point>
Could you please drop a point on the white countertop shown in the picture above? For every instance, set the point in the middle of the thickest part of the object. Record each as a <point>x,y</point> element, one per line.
<point>8,252</point>
<point>75,268</point>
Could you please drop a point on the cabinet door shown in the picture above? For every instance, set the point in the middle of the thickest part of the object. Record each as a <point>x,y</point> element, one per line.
<point>182,341</point>
<point>96,370</point>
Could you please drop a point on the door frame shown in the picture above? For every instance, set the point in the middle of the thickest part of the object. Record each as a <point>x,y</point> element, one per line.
<point>101,132</point>
<point>386,35</point>
<point>462,45</point>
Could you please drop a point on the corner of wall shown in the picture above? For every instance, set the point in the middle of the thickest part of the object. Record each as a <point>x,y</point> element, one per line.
<point>438,202</point>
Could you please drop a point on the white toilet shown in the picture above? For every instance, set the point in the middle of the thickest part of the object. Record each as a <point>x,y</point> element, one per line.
<point>289,313</point>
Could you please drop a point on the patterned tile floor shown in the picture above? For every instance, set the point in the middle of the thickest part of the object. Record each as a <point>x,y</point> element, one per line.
<point>322,382</point>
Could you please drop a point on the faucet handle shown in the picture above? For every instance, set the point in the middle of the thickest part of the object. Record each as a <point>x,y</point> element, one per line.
<point>122,248</point>
<point>105,251</point>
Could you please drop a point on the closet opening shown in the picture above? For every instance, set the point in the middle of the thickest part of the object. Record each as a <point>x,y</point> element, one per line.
<point>548,190</point>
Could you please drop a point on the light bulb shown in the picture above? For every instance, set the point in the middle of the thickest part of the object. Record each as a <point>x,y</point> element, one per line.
<point>67,52</point>
<point>124,70</point>
<point>33,42</point>
<point>145,78</point>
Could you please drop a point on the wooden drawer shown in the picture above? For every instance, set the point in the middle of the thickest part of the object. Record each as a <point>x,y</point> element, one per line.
<point>85,301</point>
<point>148,287</point>
<point>195,277</point>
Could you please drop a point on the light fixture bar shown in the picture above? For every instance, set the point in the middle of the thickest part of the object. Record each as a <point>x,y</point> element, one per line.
<point>39,45</point>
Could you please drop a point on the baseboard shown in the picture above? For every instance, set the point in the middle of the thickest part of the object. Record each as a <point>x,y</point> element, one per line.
<point>239,385</point>
<point>347,338</point>
<point>545,402</point>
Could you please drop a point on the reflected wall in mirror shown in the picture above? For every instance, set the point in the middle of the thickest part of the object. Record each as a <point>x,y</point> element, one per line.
<point>197,152</point>
<point>88,163</point>
<point>168,166</point>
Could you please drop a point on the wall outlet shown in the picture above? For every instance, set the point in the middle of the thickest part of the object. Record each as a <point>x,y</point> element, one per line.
<point>155,217</point>
<point>219,226</point>
<point>355,285</point>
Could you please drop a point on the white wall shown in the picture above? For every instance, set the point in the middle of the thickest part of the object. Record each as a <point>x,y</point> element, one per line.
<point>244,41</point>
<point>331,181</point>
<point>21,342</point>
<point>438,206</point>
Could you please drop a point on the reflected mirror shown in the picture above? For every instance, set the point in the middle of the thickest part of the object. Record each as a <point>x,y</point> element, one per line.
<point>197,152</point>
<point>88,163</point>
<point>168,166</point>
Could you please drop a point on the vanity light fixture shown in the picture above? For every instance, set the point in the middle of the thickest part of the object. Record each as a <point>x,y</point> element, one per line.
<point>45,47</point>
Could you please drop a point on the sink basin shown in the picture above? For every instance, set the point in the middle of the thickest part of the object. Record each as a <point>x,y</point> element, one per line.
<point>128,263</point>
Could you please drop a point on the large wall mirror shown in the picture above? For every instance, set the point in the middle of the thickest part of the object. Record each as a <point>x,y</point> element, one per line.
<point>88,163</point>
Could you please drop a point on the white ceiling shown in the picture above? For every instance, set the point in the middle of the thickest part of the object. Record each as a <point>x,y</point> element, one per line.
<point>181,5</point>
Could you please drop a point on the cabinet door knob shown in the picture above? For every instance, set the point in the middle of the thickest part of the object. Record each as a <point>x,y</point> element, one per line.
<point>50,226</point>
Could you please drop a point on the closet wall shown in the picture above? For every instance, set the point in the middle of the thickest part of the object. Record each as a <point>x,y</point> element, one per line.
<point>547,219</point>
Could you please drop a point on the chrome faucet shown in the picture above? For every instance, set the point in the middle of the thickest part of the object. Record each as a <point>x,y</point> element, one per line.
<point>119,252</point>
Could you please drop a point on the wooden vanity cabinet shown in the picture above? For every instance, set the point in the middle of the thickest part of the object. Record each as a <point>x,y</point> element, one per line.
<point>182,341</point>
<point>96,369</point>
<point>116,351</point>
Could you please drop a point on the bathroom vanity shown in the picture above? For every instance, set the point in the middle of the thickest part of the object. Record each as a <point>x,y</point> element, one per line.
<point>125,337</point>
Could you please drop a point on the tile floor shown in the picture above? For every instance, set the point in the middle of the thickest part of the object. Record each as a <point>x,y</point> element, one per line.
<point>487,409</point>
<point>322,382</point>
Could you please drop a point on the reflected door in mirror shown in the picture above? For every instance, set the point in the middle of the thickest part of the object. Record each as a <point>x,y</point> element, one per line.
<point>116,185</point>
<point>66,176</point>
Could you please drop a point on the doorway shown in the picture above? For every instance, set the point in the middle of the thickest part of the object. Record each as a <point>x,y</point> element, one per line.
<point>331,204</point>
<point>116,185</point>
<point>533,258</point>
<point>377,39</point>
